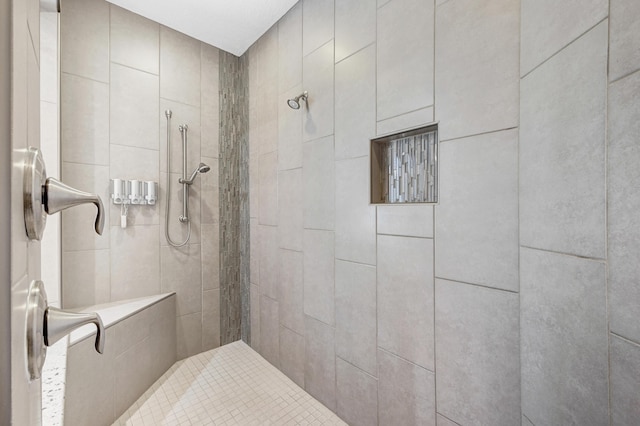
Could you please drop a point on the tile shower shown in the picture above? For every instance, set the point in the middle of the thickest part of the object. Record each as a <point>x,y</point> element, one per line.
<point>511,301</point>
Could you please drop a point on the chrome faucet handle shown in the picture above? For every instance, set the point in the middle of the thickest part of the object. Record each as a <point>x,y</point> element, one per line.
<point>59,323</point>
<point>58,196</point>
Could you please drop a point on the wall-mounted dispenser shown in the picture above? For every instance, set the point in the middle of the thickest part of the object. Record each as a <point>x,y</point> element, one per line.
<point>132,192</point>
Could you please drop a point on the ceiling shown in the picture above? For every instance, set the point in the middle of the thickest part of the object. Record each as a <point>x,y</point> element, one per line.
<point>231,25</point>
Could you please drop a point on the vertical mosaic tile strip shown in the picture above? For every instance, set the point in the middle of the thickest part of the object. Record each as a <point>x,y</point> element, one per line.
<point>409,168</point>
<point>234,209</point>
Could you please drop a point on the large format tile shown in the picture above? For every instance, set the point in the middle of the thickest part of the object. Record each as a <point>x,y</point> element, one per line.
<point>406,392</point>
<point>269,330</point>
<point>355,26</point>
<point>290,49</point>
<point>355,217</point>
<point>319,279</point>
<point>317,24</point>
<point>78,223</point>
<point>90,385</point>
<point>290,204</point>
<point>317,79</point>
<point>318,174</point>
<point>210,192</point>
<point>179,67</point>
<point>188,335</point>
<point>254,295</point>
<point>292,354</point>
<point>268,194</point>
<point>624,202</point>
<point>210,240</point>
<point>210,100</point>
<point>268,58</point>
<point>564,342</point>
<point>405,298</point>
<point>267,117</point>
<point>477,355</point>
<point>356,394</point>
<point>320,362</point>
<point>407,220</point>
<point>87,278</point>
<point>356,315</point>
<point>135,41</point>
<point>268,259</point>
<point>84,120</point>
<point>625,382</point>
<point>254,251</point>
<point>474,39</point>
<point>180,272</point>
<point>135,262</point>
<point>405,57</point>
<point>355,103</point>
<point>290,290</point>
<point>411,120</point>
<point>548,26</point>
<point>624,38</point>
<point>562,150</point>
<point>84,39</point>
<point>477,218</point>
<point>210,319</point>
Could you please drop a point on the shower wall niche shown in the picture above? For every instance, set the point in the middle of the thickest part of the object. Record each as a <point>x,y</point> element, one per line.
<point>404,167</point>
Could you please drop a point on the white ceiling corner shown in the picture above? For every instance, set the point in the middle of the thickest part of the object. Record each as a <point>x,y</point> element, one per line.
<point>231,25</point>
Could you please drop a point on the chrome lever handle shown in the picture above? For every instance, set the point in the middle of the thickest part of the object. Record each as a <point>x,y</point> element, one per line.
<point>59,323</point>
<point>43,196</point>
<point>57,196</point>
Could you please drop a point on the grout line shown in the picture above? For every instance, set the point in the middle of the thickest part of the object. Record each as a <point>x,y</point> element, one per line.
<point>563,48</point>
<point>525,416</point>
<point>632,342</point>
<point>387,351</point>
<point>354,53</point>
<point>354,262</point>
<point>594,259</point>
<point>134,68</point>
<point>477,285</point>
<point>607,306</point>
<point>625,75</point>
<point>479,134</point>
<point>85,78</point>
<point>355,366</point>
<point>442,415</point>
<point>404,235</point>
<point>422,108</point>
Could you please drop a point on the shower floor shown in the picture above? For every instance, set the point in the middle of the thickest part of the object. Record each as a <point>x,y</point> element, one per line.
<point>230,385</point>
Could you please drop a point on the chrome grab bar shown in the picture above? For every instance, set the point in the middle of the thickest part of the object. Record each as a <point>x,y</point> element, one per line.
<point>59,196</point>
<point>59,323</point>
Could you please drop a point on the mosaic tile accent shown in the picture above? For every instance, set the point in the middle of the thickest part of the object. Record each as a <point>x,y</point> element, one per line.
<point>230,385</point>
<point>234,192</point>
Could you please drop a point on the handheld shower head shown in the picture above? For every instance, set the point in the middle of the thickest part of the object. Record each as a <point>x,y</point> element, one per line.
<point>202,168</point>
<point>294,103</point>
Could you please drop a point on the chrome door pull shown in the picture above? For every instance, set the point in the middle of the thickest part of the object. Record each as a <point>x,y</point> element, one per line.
<point>59,323</point>
<point>44,196</point>
<point>59,196</point>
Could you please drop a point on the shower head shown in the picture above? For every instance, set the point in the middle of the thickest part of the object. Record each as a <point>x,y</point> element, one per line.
<point>202,168</point>
<point>294,103</point>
